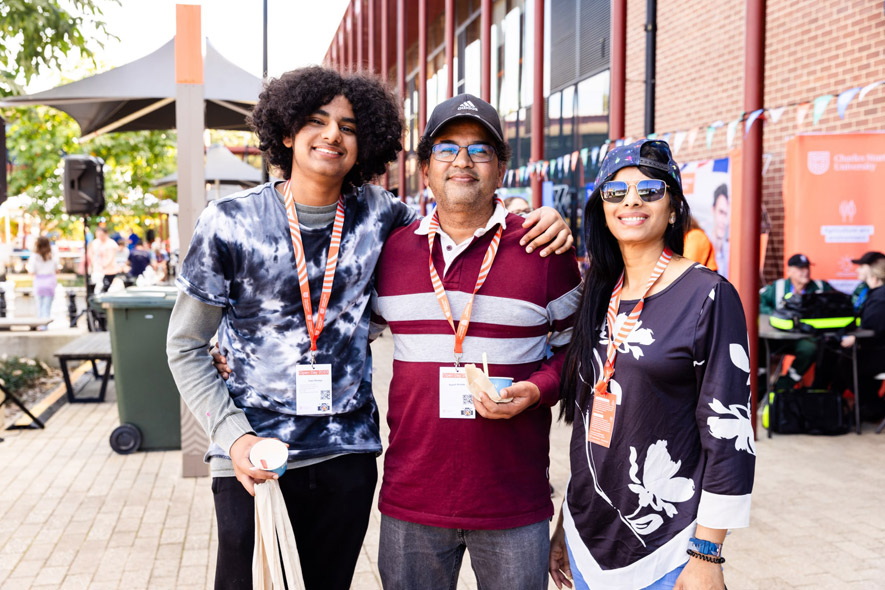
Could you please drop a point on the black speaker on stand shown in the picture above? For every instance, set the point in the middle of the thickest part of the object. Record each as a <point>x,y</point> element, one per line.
<point>84,195</point>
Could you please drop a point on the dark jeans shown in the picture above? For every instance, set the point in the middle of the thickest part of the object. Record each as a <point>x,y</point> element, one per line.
<point>417,557</point>
<point>106,282</point>
<point>328,504</point>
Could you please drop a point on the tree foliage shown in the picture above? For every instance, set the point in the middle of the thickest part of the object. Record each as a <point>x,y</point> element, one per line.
<point>39,137</point>
<point>38,34</point>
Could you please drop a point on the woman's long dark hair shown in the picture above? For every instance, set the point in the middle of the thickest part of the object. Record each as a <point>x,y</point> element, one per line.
<point>606,265</point>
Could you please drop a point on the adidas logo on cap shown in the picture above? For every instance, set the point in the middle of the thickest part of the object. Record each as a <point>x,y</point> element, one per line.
<point>467,105</point>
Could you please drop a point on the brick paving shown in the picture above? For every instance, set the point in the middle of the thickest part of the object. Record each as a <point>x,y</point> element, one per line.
<point>73,514</point>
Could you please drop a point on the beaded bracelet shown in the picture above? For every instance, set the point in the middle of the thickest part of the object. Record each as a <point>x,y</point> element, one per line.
<point>710,558</point>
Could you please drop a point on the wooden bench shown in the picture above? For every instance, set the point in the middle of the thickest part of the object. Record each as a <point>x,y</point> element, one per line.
<point>92,347</point>
<point>28,323</point>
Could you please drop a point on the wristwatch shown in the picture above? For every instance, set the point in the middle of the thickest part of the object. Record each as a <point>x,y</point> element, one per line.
<point>705,547</point>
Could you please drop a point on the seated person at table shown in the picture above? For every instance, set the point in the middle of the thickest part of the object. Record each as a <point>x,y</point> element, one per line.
<point>772,297</point>
<point>863,272</point>
<point>870,351</point>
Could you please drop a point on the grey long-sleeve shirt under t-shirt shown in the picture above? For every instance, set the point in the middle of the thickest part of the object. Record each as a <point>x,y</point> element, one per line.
<point>196,318</point>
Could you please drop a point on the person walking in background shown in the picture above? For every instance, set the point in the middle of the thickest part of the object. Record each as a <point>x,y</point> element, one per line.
<point>698,246</point>
<point>656,386</point>
<point>43,264</point>
<point>103,259</point>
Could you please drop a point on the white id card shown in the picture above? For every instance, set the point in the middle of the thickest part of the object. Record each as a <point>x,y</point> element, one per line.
<point>313,390</point>
<point>455,400</point>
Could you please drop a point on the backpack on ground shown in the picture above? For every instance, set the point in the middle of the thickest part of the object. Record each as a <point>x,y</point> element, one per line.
<point>806,411</point>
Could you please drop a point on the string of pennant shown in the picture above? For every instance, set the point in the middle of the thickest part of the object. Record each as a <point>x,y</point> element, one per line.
<point>559,167</point>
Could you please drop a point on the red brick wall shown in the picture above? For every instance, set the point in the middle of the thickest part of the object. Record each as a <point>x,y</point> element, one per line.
<point>812,48</point>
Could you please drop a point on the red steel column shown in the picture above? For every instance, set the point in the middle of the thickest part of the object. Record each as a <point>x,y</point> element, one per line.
<point>401,84</point>
<point>617,104</point>
<point>450,48</point>
<point>422,85</point>
<point>359,35</point>
<point>538,114</point>
<point>350,36</point>
<point>485,42</point>
<point>385,61</point>
<point>342,56</point>
<point>751,184</point>
<point>371,24</point>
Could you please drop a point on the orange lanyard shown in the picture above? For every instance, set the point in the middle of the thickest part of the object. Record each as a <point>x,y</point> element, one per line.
<point>461,331</point>
<point>314,328</point>
<point>611,316</point>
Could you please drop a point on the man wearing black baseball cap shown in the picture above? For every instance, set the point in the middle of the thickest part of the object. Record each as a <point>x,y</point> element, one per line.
<point>863,274</point>
<point>772,297</point>
<point>464,470</point>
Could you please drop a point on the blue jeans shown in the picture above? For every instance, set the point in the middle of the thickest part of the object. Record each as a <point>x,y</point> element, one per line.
<point>44,306</point>
<point>665,583</point>
<point>414,556</point>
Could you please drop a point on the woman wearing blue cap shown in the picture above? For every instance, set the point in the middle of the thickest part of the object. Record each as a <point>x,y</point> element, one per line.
<point>657,388</point>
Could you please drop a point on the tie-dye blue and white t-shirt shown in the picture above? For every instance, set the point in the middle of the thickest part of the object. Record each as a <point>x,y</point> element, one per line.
<point>241,259</point>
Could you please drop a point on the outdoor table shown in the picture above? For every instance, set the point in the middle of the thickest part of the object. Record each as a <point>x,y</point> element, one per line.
<point>771,336</point>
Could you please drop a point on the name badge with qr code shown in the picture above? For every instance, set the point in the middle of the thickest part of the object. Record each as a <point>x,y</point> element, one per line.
<point>313,394</point>
<point>455,399</point>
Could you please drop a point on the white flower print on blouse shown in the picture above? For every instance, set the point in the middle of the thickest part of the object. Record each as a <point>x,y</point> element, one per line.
<point>734,421</point>
<point>659,487</point>
<point>638,337</point>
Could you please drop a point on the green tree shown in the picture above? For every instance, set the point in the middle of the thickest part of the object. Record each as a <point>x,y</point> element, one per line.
<point>39,137</point>
<point>37,34</point>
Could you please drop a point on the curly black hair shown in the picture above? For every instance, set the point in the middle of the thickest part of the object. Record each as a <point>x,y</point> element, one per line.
<point>502,149</point>
<point>286,103</point>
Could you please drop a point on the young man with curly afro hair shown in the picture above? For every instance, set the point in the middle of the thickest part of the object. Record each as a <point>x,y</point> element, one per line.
<point>298,373</point>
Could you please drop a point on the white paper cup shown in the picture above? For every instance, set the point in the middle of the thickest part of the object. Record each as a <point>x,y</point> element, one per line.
<point>270,454</point>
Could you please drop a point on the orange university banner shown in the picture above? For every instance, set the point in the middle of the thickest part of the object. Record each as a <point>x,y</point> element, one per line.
<point>831,186</point>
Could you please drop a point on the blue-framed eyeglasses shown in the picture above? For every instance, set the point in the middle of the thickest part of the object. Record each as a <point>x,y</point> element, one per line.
<point>477,152</point>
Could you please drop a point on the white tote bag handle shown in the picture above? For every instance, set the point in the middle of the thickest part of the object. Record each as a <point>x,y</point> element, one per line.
<point>274,536</point>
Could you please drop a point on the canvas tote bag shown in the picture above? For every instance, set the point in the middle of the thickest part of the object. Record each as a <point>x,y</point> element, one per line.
<point>274,537</point>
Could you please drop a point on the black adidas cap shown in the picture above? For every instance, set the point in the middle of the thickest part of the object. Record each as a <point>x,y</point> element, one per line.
<point>466,106</point>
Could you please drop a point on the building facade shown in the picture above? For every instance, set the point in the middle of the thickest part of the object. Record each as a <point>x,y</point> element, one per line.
<point>812,50</point>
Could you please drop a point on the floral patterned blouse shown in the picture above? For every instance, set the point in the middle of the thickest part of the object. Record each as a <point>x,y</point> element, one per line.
<point>682,450</point>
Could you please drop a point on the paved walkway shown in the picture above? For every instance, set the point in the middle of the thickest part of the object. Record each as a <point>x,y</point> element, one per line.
<point>73,514</point>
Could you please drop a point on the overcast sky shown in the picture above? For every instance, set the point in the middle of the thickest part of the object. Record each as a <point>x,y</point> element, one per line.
<point>299,32</point>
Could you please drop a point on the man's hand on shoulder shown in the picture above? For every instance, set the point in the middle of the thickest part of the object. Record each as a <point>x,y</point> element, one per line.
<point>524,394</point>
<point>548,229</point>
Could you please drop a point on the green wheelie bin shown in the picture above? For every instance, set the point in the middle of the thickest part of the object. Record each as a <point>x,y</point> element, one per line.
<point>147,397</point>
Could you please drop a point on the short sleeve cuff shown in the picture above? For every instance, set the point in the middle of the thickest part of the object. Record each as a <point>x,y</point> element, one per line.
<point>718,511</point>
<point>199,294</point>
<point>230,429</point>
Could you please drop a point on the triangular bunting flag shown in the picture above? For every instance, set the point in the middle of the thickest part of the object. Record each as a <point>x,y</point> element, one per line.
<point>820,105</point>
<point>775,114</point>
<point>752,119</point>
<point>566,162</point>
<point>677,141</point>
<point>593,153</point>
<point>869,87</point>
<point>666,137</point>
<point>602,151</point>
<point>574,159</point>
<point>711,130</point>
<point>730,132</point>
<point>629,140</point>
<point>801,111</point>
<point>652,136</point>
<point>584,153</point>
<point>692,135</point>
<point>844,99</point>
